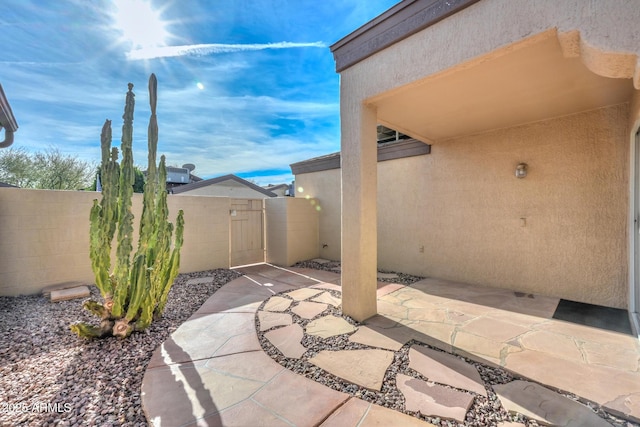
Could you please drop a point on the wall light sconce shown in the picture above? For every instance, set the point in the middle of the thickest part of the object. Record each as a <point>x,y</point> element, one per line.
<point>521,170</point>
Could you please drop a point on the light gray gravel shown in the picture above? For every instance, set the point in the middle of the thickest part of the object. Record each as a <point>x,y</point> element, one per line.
<point>50,377</point>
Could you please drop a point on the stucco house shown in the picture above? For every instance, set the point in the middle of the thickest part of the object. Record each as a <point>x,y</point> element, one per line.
<point>225,186</point>
<point>532,111</point>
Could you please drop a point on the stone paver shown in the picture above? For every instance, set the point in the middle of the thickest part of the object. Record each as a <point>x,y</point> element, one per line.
<point>299,400</point>
<point>270,320</point>
<point>287,340</point>
<point>277,304</point>
<point>212,370</point>
<point>362,367</point>
<point>552,343</point>
<point>545,406</point>
<point>329,326</point>
<point>308,309</point>
<point>445,368</point>
<point>70,293</point>
<point>376,337</point>
<point>493,329</point>
<point>433,399</point>
<point>327,298</point>
<point>358,413</point>
<point>303,293</point>
<point>200,280</point>
<point>612,356</point>
<point>329,286</point>
<point>388,276</point>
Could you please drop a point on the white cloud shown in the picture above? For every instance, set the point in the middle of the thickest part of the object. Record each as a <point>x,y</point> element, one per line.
<point>212,48</point>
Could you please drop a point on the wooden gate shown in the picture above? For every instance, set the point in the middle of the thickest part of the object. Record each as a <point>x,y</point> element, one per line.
<point>247,244</point>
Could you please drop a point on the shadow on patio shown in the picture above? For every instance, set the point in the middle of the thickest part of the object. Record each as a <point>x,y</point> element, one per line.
<point>488,325</point>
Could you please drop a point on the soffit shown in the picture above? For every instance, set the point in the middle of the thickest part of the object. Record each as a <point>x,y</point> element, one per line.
<point>504,89</point>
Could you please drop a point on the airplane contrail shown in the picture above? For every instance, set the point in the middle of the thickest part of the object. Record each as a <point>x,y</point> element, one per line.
<point>213,48</point>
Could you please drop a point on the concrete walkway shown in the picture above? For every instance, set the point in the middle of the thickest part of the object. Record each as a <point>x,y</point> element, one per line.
<point>212,370</point>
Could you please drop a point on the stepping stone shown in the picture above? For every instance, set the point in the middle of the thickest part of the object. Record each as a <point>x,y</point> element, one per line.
<point>330,286</point>
<point>375,337</point>
<point>64,285</point>
<point>321,260</point>
<point>308,309</point>
<point>200,281</point>
<point>545,406</point>
<point>362,367</point>
<point>270,320</point>
<point>329,326</point>
<point>70,293</point>
<point>277,304</point>
<point>287,340</point>
<point>445,369</point>
<point>327,298</point>
<point>510,424</point>
<point>303,293</point>
<point>433,400</point>
<point>388,276</point>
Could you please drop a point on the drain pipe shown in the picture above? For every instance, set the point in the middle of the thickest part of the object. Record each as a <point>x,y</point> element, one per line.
<point>7,121</point>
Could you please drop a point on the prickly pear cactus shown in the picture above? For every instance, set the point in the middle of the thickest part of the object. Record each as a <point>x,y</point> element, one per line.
<point>135,292</point>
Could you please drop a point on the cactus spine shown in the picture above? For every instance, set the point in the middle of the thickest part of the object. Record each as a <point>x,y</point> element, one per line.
<point>136,292</point>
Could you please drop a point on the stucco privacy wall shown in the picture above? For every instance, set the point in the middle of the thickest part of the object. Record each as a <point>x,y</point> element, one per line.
<point>45,236</point>
<point>324,187</point>
<point>292,230</point>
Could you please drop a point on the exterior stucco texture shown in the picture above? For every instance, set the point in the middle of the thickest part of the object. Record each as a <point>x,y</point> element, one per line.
<point>461,214</point>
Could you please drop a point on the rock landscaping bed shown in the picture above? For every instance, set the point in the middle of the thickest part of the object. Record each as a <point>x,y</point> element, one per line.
<point>50,377</point>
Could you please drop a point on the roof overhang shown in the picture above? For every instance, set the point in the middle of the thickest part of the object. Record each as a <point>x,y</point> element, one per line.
<point>532,80</point>
<point>401,21</point>
<point>7,120</point>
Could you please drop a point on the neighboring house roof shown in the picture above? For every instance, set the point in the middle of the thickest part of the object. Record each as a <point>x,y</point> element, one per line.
<point>230,177</point>
<point>7,120</point>
<point>389,151</point>
<point>276,187</point>
<point>4,184</point>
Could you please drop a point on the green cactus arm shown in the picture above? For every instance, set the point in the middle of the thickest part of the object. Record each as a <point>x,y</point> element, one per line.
<point>96,308</point>
<point>125,217</point>
<point>85,330</point>
<point>173,265</point>
<point>139,285</point>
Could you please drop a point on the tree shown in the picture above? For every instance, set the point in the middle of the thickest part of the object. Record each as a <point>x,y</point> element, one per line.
<point>138,183</point>
<point>49,169</point>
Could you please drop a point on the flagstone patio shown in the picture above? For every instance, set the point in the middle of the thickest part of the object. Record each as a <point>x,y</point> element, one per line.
<point>213,370</point>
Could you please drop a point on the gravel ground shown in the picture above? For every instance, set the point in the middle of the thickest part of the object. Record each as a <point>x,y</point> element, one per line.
<point>50,377</point>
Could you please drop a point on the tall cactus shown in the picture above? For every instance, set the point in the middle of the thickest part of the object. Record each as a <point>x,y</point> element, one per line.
<point>136,291</point>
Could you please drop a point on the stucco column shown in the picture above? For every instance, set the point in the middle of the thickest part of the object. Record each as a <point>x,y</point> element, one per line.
<point>359,209</point>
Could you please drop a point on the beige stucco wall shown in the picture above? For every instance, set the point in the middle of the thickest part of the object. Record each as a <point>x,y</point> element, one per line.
<point>230,188</point>
<point>561,231</point>
<point>324,187</point>
<point>292,230</point>
<point>45,236</point>
<point>463,205</point>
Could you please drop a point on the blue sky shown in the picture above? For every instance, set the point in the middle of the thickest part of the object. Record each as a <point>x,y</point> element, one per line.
<point>244,87</point>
